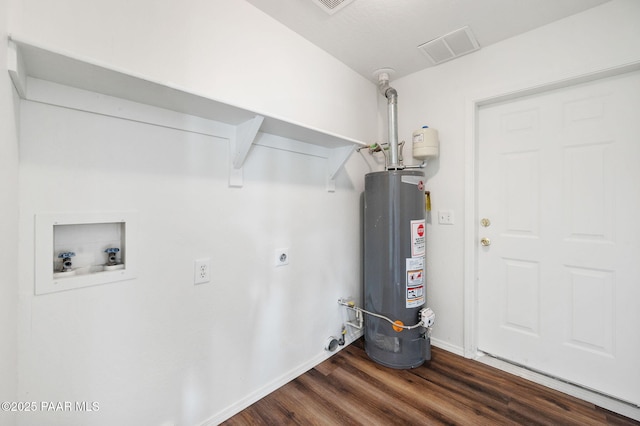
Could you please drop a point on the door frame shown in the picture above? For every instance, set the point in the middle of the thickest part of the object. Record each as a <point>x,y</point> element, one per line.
<point>472,228</point>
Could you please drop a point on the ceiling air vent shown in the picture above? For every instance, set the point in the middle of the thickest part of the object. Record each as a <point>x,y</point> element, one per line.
<point>331,6</point>
<point>450,46</point>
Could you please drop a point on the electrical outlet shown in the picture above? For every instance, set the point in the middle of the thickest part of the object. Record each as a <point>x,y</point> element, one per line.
<point>282,257</point>
<point>202,271</point>
<point>445,217</point>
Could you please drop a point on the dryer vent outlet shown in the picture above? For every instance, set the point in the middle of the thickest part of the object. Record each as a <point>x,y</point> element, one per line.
<point>331,344</point>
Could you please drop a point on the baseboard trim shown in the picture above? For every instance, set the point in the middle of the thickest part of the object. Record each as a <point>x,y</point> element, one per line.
<point>447,346</point>
<point>275,384</point>
<point>598,399</point>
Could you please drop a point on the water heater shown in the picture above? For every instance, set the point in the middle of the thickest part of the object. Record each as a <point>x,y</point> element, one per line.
<point>394,267</point>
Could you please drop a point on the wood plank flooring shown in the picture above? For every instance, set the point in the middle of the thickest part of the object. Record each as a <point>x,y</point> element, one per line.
<point>350,389</point>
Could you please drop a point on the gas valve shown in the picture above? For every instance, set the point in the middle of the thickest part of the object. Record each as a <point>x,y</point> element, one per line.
<point>428,317</point>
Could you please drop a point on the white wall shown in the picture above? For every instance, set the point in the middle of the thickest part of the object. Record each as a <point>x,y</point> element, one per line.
<point>158,350</point>
<point>8,227</point>
<point>597,39</point>
<point>189,352</point>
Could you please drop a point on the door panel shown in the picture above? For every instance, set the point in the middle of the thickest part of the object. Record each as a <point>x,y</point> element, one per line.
<point>559,284</point>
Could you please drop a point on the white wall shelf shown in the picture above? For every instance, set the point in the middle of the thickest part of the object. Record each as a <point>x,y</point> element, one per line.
<point>29,65</point>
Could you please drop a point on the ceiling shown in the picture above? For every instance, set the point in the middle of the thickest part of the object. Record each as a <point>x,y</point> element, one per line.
<point>368,35</point>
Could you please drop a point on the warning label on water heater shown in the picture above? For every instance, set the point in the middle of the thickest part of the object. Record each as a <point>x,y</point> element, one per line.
<point>418,240</point>
<point>415,282</point>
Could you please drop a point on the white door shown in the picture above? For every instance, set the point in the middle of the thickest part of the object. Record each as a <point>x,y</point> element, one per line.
<point>559,282</point>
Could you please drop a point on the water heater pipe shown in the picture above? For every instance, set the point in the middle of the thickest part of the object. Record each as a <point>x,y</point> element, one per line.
<point>427,317</point>
<point>392,111</point>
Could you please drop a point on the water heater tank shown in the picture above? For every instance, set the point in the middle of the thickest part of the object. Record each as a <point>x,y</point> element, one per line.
<point>394,266</point>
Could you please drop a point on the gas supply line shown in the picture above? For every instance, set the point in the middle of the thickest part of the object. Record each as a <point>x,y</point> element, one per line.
<point>426,315</point>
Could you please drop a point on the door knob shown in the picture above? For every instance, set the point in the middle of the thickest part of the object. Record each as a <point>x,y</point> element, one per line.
<point>485,241</point>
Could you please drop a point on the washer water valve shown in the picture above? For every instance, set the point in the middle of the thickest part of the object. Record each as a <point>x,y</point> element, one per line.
<point>111,256</point>
<point>66,260</point>
<point>112,262</point>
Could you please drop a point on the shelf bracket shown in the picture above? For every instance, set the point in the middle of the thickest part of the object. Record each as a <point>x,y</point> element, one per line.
<point>17,70</point>
<point>335,161</point>
<point>245,135</point>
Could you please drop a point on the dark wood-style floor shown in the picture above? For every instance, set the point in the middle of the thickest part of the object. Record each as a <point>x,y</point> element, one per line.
<point>350,389</point>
